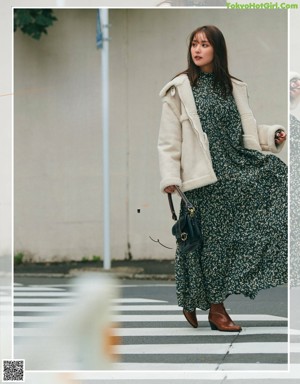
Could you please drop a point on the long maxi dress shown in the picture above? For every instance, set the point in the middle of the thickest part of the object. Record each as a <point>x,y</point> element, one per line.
<point>243,215</point>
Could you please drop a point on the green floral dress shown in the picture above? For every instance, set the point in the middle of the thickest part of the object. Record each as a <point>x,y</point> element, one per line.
<point>243,215</point>
<point>294,202</point>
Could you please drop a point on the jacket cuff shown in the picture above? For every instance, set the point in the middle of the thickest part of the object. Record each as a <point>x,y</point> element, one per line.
<point>170,181</point>
<point>267,138</point>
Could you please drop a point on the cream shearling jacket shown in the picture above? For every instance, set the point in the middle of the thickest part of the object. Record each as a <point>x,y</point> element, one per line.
<point>183,147</point>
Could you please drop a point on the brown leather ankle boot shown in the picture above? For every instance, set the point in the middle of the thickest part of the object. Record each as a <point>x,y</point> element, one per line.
<point>220,320</point>
<point>191,318</point>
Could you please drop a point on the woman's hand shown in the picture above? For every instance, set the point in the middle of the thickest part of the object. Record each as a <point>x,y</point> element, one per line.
<point>170,189</point>
<point>280,137</point>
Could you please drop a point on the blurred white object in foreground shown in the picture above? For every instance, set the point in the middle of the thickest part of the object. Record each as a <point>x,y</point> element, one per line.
<point>82,337</point>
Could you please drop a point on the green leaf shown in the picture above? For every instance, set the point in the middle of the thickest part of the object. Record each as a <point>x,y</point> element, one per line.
<point>33,22</point>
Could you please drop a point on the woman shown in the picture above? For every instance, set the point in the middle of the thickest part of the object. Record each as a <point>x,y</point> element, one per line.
<point>210,146</point>
<point>294,90</point>
<point>295,181</point>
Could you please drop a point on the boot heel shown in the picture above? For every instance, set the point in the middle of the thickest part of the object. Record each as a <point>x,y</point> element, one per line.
<point>213,326</point>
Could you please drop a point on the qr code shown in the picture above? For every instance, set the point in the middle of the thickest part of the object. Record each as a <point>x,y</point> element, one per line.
<point>13,370</point>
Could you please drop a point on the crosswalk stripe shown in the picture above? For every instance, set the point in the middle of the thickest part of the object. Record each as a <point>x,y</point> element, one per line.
<point>29,332</point>
<point>45,294</point>
<point>117,308</point>
<point>47,300</point>
<point>52,308</point>
<point>43,301</point>
<point>147,332</point>
<point>156,318</point>
<point>137,300</point>
<point>295,347</point>
<point>5,299</point>
<point>146,308</point>
<point>195,332</point>
<point>33,319</point>
<point>216,349</point>
<point>57,308</point>
<point>36,289</point>
<point>116,285</point>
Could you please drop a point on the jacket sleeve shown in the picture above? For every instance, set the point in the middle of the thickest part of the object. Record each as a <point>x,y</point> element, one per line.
<point>266,134</point>
<point>169,144</point>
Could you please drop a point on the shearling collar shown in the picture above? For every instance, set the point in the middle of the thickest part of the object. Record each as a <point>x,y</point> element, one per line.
<point>177,81</point>
<point>181,84</point>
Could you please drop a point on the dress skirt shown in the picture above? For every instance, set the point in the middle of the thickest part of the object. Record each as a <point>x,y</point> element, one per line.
<point>243,215</point>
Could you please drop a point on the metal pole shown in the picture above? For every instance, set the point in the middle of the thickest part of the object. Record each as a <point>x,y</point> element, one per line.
<point>105,130</point>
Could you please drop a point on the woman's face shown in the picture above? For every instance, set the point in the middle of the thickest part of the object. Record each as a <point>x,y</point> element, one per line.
<point>295,90</point>
<point>202,52</point>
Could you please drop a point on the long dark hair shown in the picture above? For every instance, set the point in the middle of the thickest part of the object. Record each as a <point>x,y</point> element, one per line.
<point>220,61</point>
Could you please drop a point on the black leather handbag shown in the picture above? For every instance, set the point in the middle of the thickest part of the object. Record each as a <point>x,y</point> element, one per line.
<point>186,230</point>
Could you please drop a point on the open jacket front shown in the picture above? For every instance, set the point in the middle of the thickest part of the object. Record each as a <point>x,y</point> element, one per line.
<point>183,147</point>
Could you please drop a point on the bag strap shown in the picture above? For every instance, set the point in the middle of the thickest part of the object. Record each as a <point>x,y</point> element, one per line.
<point>189,206</point>
<point>174,217</point>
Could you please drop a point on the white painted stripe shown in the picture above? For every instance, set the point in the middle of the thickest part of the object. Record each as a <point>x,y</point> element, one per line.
<point>5,312</point>
<point>45,294</point>
<point>241,348</point>
<point>34,319</point>
<point>199,366</point>
<point>294,332</point>
<point>44,300</point>
<point>172,349</point>
<point>216,349</point>
<point>118,308</point>
<point>203,331</point>
<point>48,285</point>
<point>138,300</point>
<point>295,347</point>
<point>5,299</point>
<point>20,308</point>
<point>254,367</point>
<point>161,307</point>
<point>29,332</point>
<point>37,289</point>
<point>116,285</point>
<point>158,318</point>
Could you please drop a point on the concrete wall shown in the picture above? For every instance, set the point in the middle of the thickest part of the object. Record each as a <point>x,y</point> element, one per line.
<point>58,140</point>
